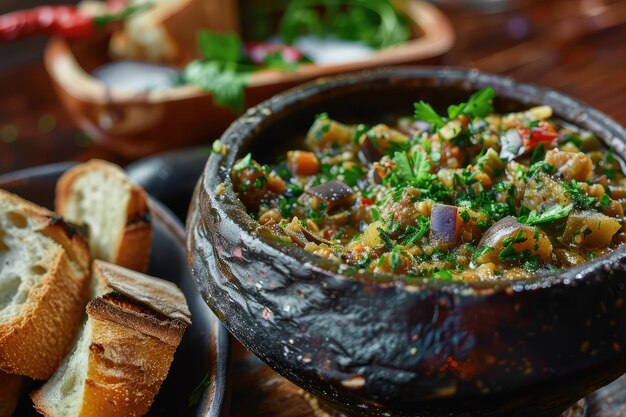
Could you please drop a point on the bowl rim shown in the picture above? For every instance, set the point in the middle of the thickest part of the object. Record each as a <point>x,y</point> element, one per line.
<point>217,170</point>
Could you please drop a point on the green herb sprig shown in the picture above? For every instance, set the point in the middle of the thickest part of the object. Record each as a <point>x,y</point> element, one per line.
<point>478,105</point>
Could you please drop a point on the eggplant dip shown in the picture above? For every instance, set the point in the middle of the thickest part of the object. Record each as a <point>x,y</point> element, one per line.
<point>472,195</point>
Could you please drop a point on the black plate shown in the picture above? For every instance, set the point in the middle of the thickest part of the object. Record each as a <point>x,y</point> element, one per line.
<point>205,346</point>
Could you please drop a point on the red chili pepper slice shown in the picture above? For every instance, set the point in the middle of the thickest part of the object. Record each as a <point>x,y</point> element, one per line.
<point>366,201</point>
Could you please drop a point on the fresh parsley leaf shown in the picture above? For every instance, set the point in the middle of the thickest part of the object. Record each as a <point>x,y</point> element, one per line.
<point>580,199</point>
<point>425,113</point>
<point>478,105</point>
<point>244,162</point>
<point>225,83</point>
<point>508,252</point>
<point>221,47</point>
<point>555,212</point>
<point>386,238</point>
<point>395,260</point>
<point>374,22</point>
<point>412,169</point>
<point>412,233</point>
<point>480,251</point>
<point>443,275</point>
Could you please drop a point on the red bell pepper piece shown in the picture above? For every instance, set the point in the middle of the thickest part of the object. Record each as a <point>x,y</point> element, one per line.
<point>531,137</point>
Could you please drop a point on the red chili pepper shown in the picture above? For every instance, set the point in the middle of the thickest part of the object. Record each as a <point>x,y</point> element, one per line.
<point>531,137</point>
<point>366,201</point>
<point>259,51</point>
<point>65,21</point>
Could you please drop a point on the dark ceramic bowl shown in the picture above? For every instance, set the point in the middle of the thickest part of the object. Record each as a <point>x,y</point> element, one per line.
<point>204,349</point>
<point>377,346</point>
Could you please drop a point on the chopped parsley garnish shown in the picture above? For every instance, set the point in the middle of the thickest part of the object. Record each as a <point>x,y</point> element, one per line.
<point>412,169</point>
<point>478,105</point>
<point>508,253</point>
<point>480,251</point>
<point>412,233</point>
<point>580,199</point>
<point>244,163</point>
<point>555,212</point>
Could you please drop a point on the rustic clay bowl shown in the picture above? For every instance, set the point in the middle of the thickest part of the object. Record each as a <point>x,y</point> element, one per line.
<point>137,124</point>
<point>375,345</point>
<point>205,346</point>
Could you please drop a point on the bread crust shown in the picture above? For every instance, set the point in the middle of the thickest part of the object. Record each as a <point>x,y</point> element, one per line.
<point>10,392</point>
<point>126,369</point>
<point>34,343</point>
<point>133,248</point>
<point>132,342</point>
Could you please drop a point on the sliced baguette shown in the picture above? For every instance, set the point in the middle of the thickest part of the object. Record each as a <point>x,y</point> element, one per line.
<point>44,286</point>
<point>125,350</point>
<point>10,390</point>
<point>100,195</point>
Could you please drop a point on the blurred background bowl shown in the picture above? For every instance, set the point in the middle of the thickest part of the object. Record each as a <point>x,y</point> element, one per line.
<point>135,124</point>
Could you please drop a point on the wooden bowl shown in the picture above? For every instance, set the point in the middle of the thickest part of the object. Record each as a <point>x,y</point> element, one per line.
<point>373,345</point>
<point>204,349</point>
<point>137,124</point>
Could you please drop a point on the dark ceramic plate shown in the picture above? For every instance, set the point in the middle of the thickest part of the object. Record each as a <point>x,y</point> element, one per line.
<point>375,346</point>
<point>205,346</point>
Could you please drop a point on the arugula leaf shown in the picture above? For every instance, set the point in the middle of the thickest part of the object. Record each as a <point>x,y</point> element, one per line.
<point>555,212</point>
<point>222,47</point>
<point>425,113</point>
<point>477,106</point>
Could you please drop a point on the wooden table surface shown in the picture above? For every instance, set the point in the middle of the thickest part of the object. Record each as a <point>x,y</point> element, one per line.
<point>576,46</point>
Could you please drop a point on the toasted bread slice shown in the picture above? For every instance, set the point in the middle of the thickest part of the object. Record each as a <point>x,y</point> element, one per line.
<point>44,286</point>
<point>100,195</point>
<point>125,350</point>
<point>10,390</point>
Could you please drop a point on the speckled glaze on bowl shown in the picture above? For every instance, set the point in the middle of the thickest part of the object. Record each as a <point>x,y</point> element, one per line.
<point>375,346</point>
